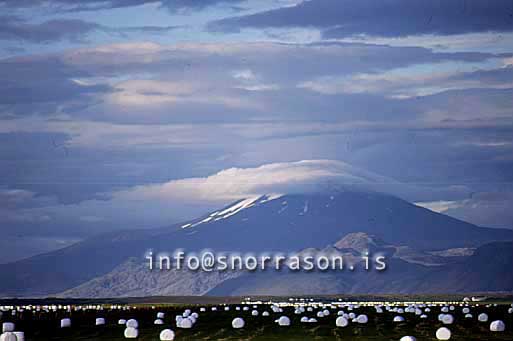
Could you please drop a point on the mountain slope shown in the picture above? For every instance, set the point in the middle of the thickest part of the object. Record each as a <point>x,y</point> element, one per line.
<point>269,223</point>
<point>486,271</point>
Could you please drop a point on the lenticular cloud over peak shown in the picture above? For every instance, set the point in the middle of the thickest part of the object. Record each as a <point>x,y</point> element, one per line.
<point>280,178</point>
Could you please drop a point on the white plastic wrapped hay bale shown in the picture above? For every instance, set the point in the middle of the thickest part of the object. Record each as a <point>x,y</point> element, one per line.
<point>184,324</point>
<point>195,315</point>
<point>121,321</point>
<point>398,319</point>
<point>443,334</point>
<point>132,323</point>
<point>160,315</point>
<point>167,335</point>
<point>320,314</point>
<point>7,327</point>
<point>254,313</point>
<point>238,323</point>
<point>482,317</point>
<point>158,322</point>
<point>466,310</point>
<point>497,326</point>
<point>20,336</point>
<point>423,316</point>
<point>284,321</point>
<point>100,321</point>
<point>65,323</point>
<point>312,320</point>
<point>408,338</point>
<point>131,333</point>
<point>447,319</point>
<point>8,336</point>
<point>468,316</point>
<point>304,319</point>
<point>362,319</point>
<point>265,313</point>
<point>341,321</point>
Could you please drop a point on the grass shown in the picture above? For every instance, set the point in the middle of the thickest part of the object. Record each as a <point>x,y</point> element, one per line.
<point>217,325</point>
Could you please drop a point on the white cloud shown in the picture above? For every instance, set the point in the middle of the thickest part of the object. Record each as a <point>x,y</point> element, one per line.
<point>488,209</point>
<point>439,206</point>
<point>163,203</point>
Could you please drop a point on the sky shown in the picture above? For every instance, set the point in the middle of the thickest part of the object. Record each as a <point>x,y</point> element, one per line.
<point>127,114</point>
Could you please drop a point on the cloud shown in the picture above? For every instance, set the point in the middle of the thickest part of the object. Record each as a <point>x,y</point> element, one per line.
<point>159,204</point>
<point>411,82</point>
<point>389,18</point>
<point>13,28</point>
<point>489,209</point>
<point>147,83</point>
<point>236,183</point>
<point>93,5</point>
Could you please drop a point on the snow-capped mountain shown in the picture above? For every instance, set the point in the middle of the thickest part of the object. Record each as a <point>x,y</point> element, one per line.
<point>284,223</point>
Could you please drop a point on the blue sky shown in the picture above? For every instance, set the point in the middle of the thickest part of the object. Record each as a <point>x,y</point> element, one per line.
<point>140,113</point>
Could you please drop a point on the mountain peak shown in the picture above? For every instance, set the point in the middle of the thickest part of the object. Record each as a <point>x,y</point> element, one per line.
<point>360,241</point>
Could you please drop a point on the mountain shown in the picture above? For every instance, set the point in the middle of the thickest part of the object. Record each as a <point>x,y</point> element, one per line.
<point>285,223</point>
<point>132,278</point>
<point>481,272</point>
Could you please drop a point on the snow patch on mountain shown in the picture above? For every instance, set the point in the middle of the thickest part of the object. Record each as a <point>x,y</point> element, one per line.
<point>234,209</point>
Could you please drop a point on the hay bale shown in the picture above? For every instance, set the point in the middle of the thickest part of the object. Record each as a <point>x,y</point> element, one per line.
<point>497,326</point>
<point>131,333</point>
<point>132,324</point>
<point>66,323</point>
<point>408,338</point>
<point>20,336</point>
<point>185,324</point>
<point>8,336</point>
<point>482,317</point>
<point>7,327</point>
<point>447,319</point>
<point>443,334</point>
<point>341,321</point>
<point>167,335</point>
<point>238,323</point>
<point>398,319</point>
<point>362,319</point>
<point>284,321</point>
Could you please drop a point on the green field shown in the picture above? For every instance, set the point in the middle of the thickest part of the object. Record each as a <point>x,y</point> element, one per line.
<point>217,325</point>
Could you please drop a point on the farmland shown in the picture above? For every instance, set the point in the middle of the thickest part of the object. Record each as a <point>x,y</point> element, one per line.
<point>215,316</point>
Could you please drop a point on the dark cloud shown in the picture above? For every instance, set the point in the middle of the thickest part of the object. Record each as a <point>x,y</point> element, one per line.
<point>91,5</point>
<point>387,18</point>
<point>13,28</point>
